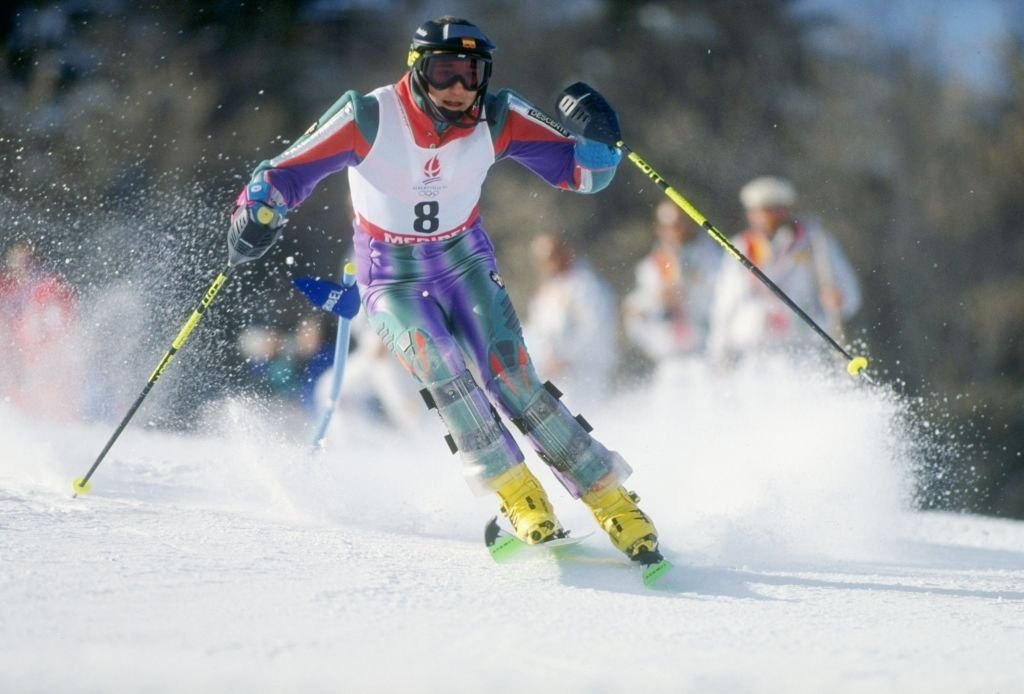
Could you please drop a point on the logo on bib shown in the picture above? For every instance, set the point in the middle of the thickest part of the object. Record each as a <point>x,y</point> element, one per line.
<point>432,171</point>
<point>431,184</point>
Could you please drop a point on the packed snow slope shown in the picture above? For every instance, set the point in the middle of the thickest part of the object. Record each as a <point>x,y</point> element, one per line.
<point>228,560</point>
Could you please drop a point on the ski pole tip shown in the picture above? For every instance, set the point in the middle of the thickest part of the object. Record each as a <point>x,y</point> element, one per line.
<point>856,365</point>
<point>81,487</point>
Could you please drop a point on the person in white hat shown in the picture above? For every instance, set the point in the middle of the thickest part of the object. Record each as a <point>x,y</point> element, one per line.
<point>801,257</point>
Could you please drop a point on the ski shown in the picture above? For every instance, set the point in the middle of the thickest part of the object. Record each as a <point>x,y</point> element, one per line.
<point>503,545</point>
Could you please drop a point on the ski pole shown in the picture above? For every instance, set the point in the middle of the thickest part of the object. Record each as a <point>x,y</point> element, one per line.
<point>855,365</point>
<point>81,484</point>
<point>341,345</point>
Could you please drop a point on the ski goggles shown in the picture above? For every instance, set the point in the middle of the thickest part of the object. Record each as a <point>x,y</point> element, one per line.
<point>443,70</point>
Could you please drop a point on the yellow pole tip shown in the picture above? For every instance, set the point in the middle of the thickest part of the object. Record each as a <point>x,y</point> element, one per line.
<point>856,365</point>
<point>80,486</point>
<point>350,268</point>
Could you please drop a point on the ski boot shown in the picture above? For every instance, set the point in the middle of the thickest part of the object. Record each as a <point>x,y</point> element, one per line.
<point>629,528</point>
<point>526,505</point>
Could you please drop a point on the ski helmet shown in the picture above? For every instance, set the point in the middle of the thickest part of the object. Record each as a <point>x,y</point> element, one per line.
<point>449,50</point>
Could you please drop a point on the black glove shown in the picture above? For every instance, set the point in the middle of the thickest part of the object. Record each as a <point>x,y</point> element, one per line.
<point>585,113</point>
<point>256,223</point>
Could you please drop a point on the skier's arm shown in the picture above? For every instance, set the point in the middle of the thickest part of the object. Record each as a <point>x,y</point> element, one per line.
<point>521,132</point>
<point>340,138</point>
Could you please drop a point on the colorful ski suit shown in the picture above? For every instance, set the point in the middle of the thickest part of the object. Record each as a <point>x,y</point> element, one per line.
<point>427,273</point>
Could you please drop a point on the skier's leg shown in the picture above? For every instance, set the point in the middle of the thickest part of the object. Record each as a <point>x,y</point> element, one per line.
<point>588,470</point>
<point>487,325</point>
<point>489,328</point>
<point>414,327</point>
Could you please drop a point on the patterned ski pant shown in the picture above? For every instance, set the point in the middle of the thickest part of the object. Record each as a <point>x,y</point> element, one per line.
<point>435,305</point>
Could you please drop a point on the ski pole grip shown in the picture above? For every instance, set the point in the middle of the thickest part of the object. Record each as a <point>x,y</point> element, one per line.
<point>348,274</point>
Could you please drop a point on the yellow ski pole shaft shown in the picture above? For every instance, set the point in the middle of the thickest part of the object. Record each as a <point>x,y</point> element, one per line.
<point>855,365</point>
<point>81,484</point>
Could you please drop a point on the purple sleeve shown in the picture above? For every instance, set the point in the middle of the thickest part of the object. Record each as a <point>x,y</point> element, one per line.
<point>523,133</point>
<point>297,181</point>
<point>552,160</point>
<point>340,139</point>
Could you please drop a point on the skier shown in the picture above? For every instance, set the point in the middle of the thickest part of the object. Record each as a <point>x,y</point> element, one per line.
<point>417,153</point>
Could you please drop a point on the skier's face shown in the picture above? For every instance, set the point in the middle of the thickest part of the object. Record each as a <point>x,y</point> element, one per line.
<point>455,98</point>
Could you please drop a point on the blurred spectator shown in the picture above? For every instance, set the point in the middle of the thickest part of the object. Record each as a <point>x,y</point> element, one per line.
<point>312,353</point>
<point>571,325</point>
<point>800,257</point>
<point>37,313</point>
<point>264,350</point>
<point>288,367</point>
<point>667,313</point>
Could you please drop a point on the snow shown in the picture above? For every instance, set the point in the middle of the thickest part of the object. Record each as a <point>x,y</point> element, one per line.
<point>229,560</point>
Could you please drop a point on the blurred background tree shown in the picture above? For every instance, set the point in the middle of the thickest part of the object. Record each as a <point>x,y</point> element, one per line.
<point>127,131</point>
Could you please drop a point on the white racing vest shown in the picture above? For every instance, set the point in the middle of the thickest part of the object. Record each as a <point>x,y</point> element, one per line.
<point>403,193</point>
